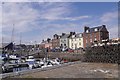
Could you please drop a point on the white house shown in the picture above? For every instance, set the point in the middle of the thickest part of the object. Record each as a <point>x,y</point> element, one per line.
<point>76,41</point>
<point>64,41</point>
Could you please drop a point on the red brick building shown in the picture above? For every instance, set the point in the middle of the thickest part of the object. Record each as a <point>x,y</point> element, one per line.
<point>46,44</point>
<point>56,41</point>
<point>96,34</point>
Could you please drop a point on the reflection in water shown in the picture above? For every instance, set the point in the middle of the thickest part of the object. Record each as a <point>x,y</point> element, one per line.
<point>20,69</point>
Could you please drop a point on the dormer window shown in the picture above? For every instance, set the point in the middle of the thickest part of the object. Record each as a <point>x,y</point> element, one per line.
<point>73,36</point>
<point>80,35</point>
<point>86,31</point>
<point>96,29</point>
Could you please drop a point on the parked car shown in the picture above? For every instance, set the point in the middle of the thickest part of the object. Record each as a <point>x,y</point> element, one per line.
<point>70,50</point>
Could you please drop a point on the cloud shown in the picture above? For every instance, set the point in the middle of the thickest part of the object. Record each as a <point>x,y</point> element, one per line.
<point>44,19</point>
<point>77,18</point>
<point>57,1</point>
<point>26,18</point>
<point>55,11</point>
<point>67,18</point>
<point>0,22</point>
<point>113,31</point>
<point>21,15</point>
<point>109,16</point>
<point>111,20</point>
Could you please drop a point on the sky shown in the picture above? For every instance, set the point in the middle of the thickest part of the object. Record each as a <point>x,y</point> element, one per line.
<point>35,21</point>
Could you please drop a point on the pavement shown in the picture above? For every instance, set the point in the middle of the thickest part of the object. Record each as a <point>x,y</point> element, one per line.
<point>77,70</point>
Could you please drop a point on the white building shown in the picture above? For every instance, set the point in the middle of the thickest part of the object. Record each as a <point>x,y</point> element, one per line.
<point>76,41</point>
<point>72,40</point>
<point>64,41</point>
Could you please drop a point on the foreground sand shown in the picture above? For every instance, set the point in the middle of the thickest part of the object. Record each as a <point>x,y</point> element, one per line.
<point>78,70</point>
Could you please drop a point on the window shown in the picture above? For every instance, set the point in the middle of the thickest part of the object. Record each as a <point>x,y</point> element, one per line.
<point>101,34</point>
<point>95,35</point>
<point>75,46</point>
<point>61,40</point>
<point>90,40</point>
<point>64,44</point>
<point>80,39</point>
<point>95,39</point>
<point>80,43</point>
<point>90,35</point>
<point>73,36</point>
<point>87,31</point>
<point>86,36</point>
<point>86,41</point>
<point>95,29</point>
<point>80,35</point>
<point>72,44</point>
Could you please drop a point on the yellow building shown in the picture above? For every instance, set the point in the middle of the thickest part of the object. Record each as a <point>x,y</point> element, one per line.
<point>76,41</point>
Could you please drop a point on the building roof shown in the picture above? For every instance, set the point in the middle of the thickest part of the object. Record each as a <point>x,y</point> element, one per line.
<point>6,45</point>
<point>65,36</point>
<point>96,29</point>
<point>78,35</point>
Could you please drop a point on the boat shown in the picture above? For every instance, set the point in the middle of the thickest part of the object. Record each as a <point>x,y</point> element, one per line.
<point>47,64</point>
<point>32,62</point>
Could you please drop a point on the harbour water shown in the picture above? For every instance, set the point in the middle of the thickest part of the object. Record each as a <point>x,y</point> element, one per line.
<point>20,69</point>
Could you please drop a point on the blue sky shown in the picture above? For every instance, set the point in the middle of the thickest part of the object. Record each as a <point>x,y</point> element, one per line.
<point>39,20</point>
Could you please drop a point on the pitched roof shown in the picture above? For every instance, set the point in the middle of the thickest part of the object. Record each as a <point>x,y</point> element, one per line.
<point>65,36</point>
<point>95,29</point>
<point>78,35</point>
<point>3,45</point>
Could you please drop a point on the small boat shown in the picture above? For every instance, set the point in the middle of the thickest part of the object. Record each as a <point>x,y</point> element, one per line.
<point>55,61</point>
<point>32,62</point>
<point>47,64</point>
<point>8,67</point>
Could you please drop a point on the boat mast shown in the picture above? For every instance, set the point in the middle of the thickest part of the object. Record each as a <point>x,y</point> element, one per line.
<point>20,38</point>
<point>20,44</point>
<point>12,37</point>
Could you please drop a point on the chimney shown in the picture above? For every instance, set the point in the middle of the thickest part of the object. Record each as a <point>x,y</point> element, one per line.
<point>63,34</point>
<point>43,40</point>
<point>48,40</point>
<point>104,25</point>
<point>86,28</point>
<point>72,33</point>
<point>55,36</point>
